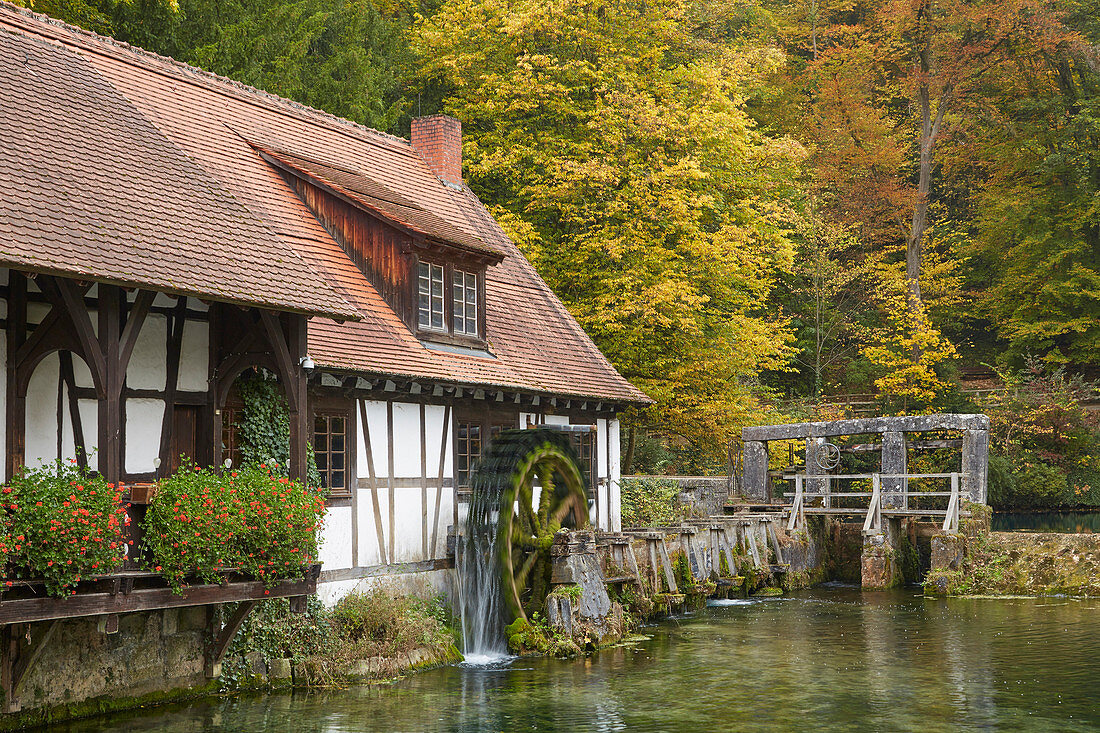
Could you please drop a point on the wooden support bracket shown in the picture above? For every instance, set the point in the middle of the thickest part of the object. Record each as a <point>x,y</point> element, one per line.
<point>18,660</point>
<point>666,565</point>
<point>221,638</point>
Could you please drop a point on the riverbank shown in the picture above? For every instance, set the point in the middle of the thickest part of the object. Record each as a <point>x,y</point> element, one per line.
<point>370,637</point>
<point>1022,564</point>
<point>831,658</point>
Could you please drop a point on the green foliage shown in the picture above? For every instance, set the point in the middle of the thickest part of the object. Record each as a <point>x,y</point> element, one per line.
<point>62,524</point>
<point>650,501</point>
<point>263,430</point>
<point>331,641</point>
<point>378,623</point>
<point>618,155</point>
<point>201,521</point>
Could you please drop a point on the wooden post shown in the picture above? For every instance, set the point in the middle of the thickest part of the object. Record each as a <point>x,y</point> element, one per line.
<point>975,464</point>
<point>16,405</point>
<point>894,462</point>
<point>756,470</point>
<point>109,447</point>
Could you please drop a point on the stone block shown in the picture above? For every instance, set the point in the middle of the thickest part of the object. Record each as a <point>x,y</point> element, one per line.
<point>279,671</point>
<point>948,551</point>
<point>169,621</point>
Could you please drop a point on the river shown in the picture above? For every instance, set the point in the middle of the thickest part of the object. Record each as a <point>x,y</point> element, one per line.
<point>827,659</point>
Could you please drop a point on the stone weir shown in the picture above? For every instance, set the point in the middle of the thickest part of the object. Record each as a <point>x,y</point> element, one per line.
<point>601,581</point>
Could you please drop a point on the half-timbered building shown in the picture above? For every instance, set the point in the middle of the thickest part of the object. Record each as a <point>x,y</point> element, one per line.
<point>164,231</point>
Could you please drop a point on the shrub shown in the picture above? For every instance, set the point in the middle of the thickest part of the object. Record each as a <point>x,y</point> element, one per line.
<point>378,623</point>
<point>1040,485</point>
<point>650,501</point>
<point>63,524</point>
<point>201,521</point>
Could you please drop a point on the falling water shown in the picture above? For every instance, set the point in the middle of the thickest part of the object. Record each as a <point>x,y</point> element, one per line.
<point>480,603</point>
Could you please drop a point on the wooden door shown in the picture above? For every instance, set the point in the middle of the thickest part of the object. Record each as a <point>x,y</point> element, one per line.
<point>185,435</point>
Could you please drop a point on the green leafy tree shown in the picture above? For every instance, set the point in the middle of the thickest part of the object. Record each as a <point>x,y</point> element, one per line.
<point>615,149</point>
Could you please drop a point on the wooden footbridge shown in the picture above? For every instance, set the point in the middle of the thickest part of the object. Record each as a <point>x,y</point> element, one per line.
<point>895,500</point>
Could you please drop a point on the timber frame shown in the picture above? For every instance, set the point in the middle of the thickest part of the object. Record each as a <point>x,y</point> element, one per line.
<point>240,339</point>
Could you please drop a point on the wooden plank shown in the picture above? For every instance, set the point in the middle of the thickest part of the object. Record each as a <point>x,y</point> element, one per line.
<point>15,406</point>
<point>173,349</point>
<point>379,533</point>
<point>109,446</point>
<point>442,466</point>
<point>28,610</point>
<point>390,471</point>
<point>666,565</point>
<point>423,481</point>
<point>9,642</point>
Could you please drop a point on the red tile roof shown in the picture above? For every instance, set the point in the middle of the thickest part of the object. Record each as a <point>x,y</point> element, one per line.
<point>536,345</point>
<point>93,189</point>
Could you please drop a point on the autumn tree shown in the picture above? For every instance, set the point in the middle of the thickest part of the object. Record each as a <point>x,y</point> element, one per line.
<point>619,157</point>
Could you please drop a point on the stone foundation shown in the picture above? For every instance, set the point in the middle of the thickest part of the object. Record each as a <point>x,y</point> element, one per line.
<point>154,656</point>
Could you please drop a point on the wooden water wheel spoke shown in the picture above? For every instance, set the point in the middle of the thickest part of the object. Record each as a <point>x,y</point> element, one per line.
<point>523,538</point>
<point>516,462</point>
<point>520,576</point>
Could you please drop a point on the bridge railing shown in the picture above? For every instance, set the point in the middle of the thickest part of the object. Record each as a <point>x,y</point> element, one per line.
<point>894,501</point>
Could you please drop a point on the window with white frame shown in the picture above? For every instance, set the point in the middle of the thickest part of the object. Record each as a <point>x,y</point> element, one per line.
<point>431,296</point>
<point>464,314</point>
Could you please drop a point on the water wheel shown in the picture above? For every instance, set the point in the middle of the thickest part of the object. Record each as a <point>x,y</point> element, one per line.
<point>538,487</point>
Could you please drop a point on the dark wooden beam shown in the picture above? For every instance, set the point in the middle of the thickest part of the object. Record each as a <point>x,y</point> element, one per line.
<point>15,403</point>
<point>215,650</point>
<point>109,446</point>
<point>27,610</point>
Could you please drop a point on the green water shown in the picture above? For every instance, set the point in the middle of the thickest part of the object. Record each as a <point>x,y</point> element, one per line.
<point>1062,522</point>
<point>829,659</point>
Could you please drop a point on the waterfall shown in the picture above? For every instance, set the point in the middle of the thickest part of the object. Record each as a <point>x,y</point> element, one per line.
<point>479,598</point>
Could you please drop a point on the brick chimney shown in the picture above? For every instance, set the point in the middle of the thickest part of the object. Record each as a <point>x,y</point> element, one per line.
<point>438,139</point>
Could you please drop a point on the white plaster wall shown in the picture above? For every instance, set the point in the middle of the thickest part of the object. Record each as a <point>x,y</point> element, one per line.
<point>555,420</point>
<point>330,593</point>
<point>406,439</point>
<point>144,420</point>
<point>615,502</point>
<point>336,538</point>
<point>41,435</point>
<point>37,311</point>
<point>376,431</point>
<point>368,535</point>
<point>194,356</point>
<point>434,422</point>
<point>421,584</point>
<point>407,525</point>
<point>147,368</point>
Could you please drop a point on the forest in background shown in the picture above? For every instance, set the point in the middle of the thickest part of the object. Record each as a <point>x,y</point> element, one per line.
<point>755,208</point>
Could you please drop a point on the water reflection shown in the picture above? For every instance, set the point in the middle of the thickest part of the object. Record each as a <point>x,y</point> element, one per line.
<point>1061,522</point>
<point>832,659</point>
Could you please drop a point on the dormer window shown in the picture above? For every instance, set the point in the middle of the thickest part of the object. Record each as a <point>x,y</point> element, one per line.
<point>464,311</point>
<point>431,297</point>
<point>450,303</point>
